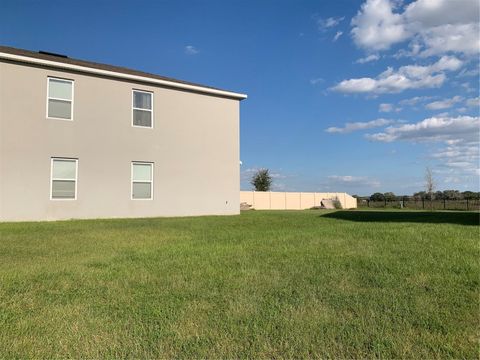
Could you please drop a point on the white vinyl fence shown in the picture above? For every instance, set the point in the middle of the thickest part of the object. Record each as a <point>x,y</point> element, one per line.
<point>273,200</point>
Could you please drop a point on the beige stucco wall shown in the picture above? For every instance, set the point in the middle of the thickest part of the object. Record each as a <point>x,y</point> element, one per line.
<point>194,146</point>
<point>272,200</point>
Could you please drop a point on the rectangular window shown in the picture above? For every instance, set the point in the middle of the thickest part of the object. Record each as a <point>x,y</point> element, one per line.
<point>60,99</point>
<point>142,180</point>
<point>142,108</point>
<point>64,179</point>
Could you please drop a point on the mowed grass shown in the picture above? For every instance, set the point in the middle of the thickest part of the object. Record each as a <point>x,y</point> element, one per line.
<point>285,284</point>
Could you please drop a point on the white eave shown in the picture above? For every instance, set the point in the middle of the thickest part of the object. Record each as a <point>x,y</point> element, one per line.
<point>86,69</point>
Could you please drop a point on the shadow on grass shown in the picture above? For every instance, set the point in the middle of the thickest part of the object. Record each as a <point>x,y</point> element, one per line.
<point>461,218</point>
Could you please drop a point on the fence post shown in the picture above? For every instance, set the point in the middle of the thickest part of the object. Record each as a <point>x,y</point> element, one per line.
<point>423,203</point>
<point>385,202</point>
<point>444,203</point>
<point>368,202</point>
<point>467,205</point>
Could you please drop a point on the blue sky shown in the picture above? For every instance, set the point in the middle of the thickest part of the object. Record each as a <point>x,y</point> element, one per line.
<point>355,96</point>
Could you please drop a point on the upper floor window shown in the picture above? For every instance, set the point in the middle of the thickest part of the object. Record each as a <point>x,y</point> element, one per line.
<point>60,99</point>
<point>142,108</point>
<point>64,179</point>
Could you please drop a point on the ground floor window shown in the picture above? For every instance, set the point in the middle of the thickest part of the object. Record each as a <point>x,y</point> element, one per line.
<point>64,179</point>
<point>142,180</point>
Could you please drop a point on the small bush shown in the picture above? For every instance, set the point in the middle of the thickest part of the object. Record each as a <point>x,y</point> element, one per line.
<point>337,203</point>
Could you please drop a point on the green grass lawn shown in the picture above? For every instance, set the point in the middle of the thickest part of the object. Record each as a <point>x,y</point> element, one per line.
<point>263,284</point>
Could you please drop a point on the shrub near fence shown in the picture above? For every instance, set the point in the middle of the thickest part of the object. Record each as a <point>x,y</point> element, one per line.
<point>468,205</point>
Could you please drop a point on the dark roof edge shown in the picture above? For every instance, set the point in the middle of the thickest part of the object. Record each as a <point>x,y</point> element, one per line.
<point>27,56</point>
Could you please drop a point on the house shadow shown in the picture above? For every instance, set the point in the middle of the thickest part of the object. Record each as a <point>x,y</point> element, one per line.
<point>433,217</point>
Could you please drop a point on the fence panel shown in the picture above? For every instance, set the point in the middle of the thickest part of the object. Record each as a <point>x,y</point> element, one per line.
<point>277,201</point>
<point>293,201</point>
<point>307,200</point>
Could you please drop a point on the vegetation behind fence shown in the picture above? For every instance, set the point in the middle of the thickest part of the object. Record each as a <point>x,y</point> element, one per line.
<point>419,204</point>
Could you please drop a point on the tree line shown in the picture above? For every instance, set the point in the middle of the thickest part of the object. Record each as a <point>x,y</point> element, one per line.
<point>262,181</point>
<point>423,195</point>
<point>428,194</point>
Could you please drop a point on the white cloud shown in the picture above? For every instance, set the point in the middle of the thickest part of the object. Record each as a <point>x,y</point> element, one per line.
<point>325,24</point>
<point>452,180</point>
<point>247,174</point>
<point>458,138</point>
<point>444,104</point>
<point>406,77</point>
<point>466,86</point>
<point>353,181</point>
<point>414,49</point>
<point>462,38</point>
<point>385,107</point>
<point>191,50</point>
<point>433,27</point>
<point>337,35</point>
<point>450,63</point>
<point>437,129</point>
<point>459,158</point>
<point>415,100</point>
<point>473,102</point>
<point>376,27</point>
<point>356,126</point>
<point>430,13</point>
<point>468,73</point>
<point>316,81</point>
<point>372,57</point>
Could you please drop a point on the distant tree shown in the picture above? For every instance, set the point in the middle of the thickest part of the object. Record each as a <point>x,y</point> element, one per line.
<point>439,195</point>
<point>470,195</point>
<point>390,196</point>
<point>420,195</point>
<point>452,195</point>
<point>429,183</point>
<point>377,197</point>
<point>262,180</point>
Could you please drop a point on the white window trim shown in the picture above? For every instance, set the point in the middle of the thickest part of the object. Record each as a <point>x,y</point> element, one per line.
<point>62,179</point>
<point>142,182</point>
<point>150,110</point>
<point>71,101</point>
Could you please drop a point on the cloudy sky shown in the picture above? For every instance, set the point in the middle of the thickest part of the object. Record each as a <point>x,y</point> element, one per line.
<point>355,96</point>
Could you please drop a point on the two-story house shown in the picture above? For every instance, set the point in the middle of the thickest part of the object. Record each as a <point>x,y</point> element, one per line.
<point>85,140</point>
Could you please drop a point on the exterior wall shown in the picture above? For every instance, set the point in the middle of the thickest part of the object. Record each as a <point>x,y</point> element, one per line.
<point>293,200</point>
<point>194,146</point>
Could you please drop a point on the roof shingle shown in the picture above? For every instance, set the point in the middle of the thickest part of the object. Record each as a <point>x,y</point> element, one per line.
<point>94,65</point>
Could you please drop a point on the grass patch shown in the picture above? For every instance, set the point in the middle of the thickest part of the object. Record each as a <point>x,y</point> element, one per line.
<point>280,284</point>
